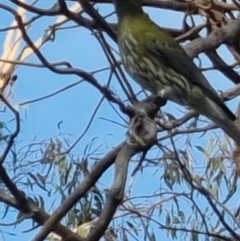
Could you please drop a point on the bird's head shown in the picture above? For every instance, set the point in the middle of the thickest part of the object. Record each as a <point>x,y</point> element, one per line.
<point>127,7</point>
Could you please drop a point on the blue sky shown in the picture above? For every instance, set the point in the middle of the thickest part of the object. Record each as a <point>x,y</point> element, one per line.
<point>75,106</point>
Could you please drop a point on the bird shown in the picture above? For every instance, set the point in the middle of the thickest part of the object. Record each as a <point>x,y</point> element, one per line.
<point>159,64</point>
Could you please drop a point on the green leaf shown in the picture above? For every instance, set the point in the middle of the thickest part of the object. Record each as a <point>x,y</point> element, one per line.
<point>168,220</point>
<point>201,149</point>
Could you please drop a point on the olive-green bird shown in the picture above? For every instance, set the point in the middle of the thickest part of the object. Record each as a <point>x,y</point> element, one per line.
<point>159,64</point>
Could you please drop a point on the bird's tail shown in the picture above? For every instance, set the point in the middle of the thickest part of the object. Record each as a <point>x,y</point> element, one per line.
<point>231,129</point>
<point>219,116</point>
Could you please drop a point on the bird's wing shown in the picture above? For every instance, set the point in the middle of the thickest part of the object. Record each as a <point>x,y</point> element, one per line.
<point>177,59</point>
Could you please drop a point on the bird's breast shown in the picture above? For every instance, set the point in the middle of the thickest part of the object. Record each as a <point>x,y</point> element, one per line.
<point>137,63</point>
<point>153,73</point>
